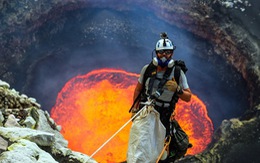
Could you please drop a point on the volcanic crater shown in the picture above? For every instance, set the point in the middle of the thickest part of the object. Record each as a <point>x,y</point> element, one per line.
<point>44,47</point>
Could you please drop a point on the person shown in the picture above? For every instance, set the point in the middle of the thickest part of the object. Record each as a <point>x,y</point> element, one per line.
<point>161,85</point>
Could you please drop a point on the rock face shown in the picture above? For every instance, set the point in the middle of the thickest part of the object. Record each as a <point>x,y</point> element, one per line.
<point>236,140</point>
<point>28,134</point>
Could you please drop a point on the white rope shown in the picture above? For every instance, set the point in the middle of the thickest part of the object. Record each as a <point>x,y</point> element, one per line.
<point>115,134</point>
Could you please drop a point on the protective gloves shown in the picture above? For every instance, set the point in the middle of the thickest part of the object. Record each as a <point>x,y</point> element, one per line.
<point>171,85</point>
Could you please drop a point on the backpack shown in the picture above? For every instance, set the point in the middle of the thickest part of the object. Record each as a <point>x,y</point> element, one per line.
<point>180,140</point>
<point>151,71</point>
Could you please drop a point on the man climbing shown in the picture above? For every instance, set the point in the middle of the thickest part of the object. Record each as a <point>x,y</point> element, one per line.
<point>164,81</point>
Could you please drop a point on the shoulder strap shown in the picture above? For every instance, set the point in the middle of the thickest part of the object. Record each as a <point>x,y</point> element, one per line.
<point>179,65</point>
<point>177,73</point>
<point>150,70</point>
<point>164,79</point>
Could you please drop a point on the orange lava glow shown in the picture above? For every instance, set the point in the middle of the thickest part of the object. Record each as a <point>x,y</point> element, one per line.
<point>92,107</point>
<point>194,120</point>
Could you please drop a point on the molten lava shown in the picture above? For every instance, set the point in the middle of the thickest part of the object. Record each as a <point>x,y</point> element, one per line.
<point>92,107</point>
<point>194,120</point>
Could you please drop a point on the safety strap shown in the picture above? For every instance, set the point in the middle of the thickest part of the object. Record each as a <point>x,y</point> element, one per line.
<point>177,74</point>
<point>167,142</point>
<point>161,83</point>
<point>175,97</point>
<point>164,79</point>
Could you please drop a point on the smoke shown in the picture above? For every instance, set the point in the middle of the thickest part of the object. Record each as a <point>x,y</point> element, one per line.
<point>95,38</point>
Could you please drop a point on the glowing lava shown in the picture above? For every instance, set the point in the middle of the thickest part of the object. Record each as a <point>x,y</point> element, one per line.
<point>92,107</point>
<point>194,120</point>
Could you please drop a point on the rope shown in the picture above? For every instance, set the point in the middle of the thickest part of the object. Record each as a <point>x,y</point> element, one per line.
<point>164,148</point>
<point>115,134</point>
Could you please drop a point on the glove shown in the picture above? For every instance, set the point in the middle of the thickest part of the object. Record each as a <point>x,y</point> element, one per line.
<point>171,85</point>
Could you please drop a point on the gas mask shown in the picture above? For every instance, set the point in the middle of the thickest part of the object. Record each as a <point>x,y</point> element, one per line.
<point>163,62</point>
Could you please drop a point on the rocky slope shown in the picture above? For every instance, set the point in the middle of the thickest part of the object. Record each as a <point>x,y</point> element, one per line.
<point>28,134</point>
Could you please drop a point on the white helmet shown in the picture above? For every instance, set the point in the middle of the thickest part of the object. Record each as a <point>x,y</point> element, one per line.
<point>164,43</point>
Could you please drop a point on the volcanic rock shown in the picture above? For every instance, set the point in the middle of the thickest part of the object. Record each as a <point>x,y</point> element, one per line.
<point>28,134</point>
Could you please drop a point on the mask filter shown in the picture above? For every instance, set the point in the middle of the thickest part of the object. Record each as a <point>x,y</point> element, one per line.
<point>163,62</point>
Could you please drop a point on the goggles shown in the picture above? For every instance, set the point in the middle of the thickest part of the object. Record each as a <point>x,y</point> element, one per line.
<point>167,52</point>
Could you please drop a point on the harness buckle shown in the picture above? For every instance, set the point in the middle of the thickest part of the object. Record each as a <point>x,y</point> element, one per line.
<point>162,104</point>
